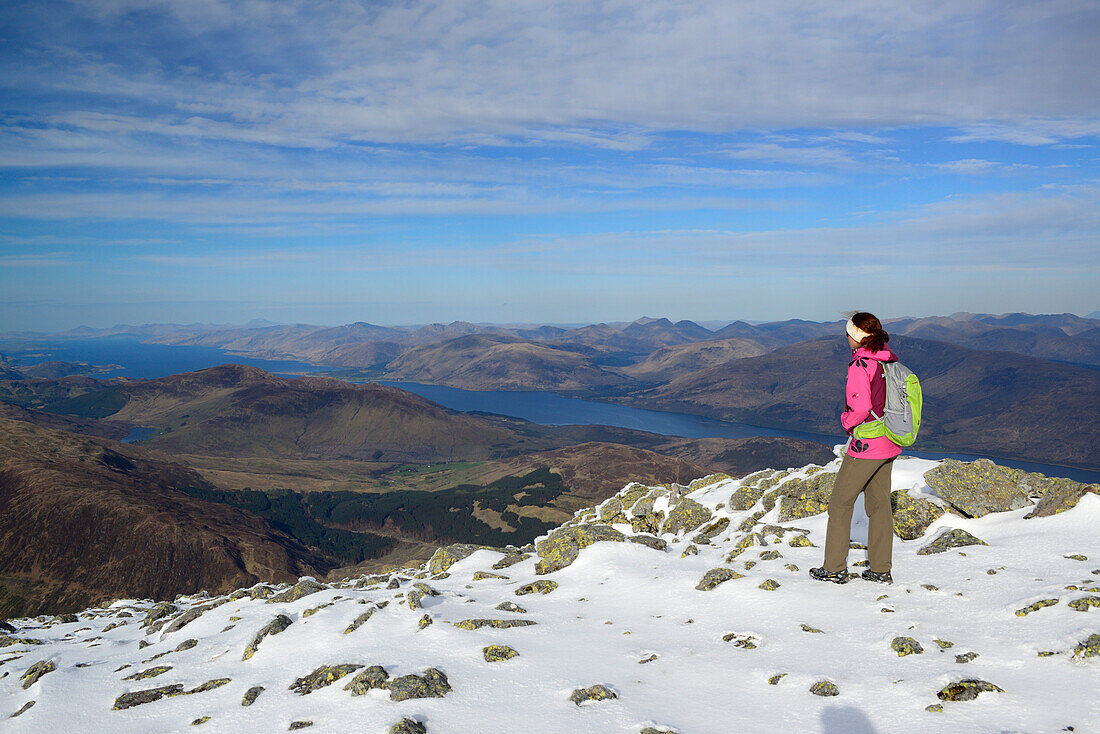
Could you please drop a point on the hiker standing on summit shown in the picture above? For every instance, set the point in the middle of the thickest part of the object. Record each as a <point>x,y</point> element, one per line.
<point>867,461</point>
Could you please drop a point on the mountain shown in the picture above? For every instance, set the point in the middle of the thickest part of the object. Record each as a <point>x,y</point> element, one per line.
<point>1052,338</point>
<point>662,332</point>
<point>667,363</point>
<point>498,362</point>
<point>88,520</point>
<point>993,403</point>
<point>709,624</point>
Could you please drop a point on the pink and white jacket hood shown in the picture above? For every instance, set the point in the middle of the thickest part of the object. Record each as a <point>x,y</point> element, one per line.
<point>866,390</point>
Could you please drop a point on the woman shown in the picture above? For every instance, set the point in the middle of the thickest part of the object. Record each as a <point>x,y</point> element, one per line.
<point>867,462</point>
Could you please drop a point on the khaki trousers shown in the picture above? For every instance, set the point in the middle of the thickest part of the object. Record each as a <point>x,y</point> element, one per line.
<point>872,477</point>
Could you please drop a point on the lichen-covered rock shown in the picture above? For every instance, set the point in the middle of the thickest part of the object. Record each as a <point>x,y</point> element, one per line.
<point>967,690</point>
<point>712,528</point>
<point>408,726</point>
<point>159,611</point>
<point>413,599</point>
<point>769,585</point>
<point>749,522</point>
<point>611,510</point>
<point>655,730</point>
<point>273,627</point>
<point>691,550</point>
<point>979,487</point>
<point>944,644</point>
<point>801,498</point>
<point>473,624</point>
<point>302,724</point>
<point>251,695</point>
<point>747,642</point>
<point>209,685</point>
<point>912,515</point>
<point>966,657</point>
<point>744,544</point>
<point>648,541</point>
<point>954,538</point>
<point>1058,495</point>
<point>449,555</point>
<point>1036,606</point>
<point>433,684</point>
<point>717,576</point>
<point>707,481</point>
<point>1088,648</point>
<point>36,671</point>
<point>562,546</point>
<point>808,628</point>
<point>770,555</point>
<point>358,621</point>
<point>200,721</point>
<point>374,677</point>
<point>5,627</point>
<point>137,698</point>
<point>304,587</point>
<point>824,688</point>
<point>510,606</point>
<point>774,680</point>
<point>186,645</point>
<point>906,646</point>
<point>800,541</point>
<point>485,575</point>
<point>424,622</point>
<point>753,488</point>
<point>543,586</point>
<point>313,610</point>
<point>498,653</point>
<point>935,708</point>
<point>22,709</point>
<point>598,692</point>
<point>259,591</point>
<point>685,517</point>
<point>323,676</point>
<point>1085,603</point>
<point>510,559</point>
<point>149,672</point>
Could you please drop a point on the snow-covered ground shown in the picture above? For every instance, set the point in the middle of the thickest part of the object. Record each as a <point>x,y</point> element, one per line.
<point>629,617</point>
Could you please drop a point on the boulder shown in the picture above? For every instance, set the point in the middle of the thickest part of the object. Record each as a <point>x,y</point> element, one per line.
<point>717,576</point>
<point>954,538</point>
<point>509,606</point>
<point>510,559</point>
<point>36,671</point>
<point>1085,603</point>
<point>1058,495</point>
<point>149,673</point>
<point>137,698</point>
<point>912,515</point>
<point>1036,606</point>
<point>707,481</point>
<point>649,541</point>
<point>374,677</point>
<point>322,677</point>
<point>967,690</point>
<point>685,517</point>
<point>562,546</point>
<point>598,692</point>
<point>358,621</point>
<point>1088,648</point>
<point>824,688</point>
<point>408,726</point>
<point>498,653</point>
<point>449,555</point>
<point>159,611</point>
<point>473,624</point>
<point>273,627</point>
<point>753,488</point>
<point>251,695</point>
<point>979,487</point>
<point>801,498</point>
<point>906,646</point>
<point>433,684</point>
<point>304,587</point>
<point>543,586</point>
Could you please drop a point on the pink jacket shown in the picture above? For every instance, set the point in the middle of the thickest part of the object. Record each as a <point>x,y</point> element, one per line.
<point>866,389</point>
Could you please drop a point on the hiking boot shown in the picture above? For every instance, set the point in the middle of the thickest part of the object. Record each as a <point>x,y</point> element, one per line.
<point>837,577</point>
<point>882,578</point>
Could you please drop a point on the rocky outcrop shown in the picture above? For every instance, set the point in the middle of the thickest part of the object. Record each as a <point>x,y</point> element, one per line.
<point>304,587</point>
<point>498,653</point>
<point>323,676</point>
<point>449,555</point>
<point>954,538</point>
<point>686,515</point>
<point>799,498</point>
<point>598,692</point>
<point>967,690</point>
<point>373,678</point>
<point>273,627</point>
<point>432,684</point>
<point>562,546</point>
<point>716,576</point>
<point>912,515</point>
<point>980,487</point>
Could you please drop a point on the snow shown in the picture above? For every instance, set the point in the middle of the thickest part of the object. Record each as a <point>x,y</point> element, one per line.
<point>616,605</point>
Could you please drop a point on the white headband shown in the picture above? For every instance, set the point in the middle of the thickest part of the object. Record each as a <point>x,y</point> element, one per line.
<point>855,332</point>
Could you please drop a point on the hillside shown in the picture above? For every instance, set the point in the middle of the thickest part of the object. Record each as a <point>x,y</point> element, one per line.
<point>668,363</point>
<point>994,403</point>
<point>705,622</point>
<point>87,520</point>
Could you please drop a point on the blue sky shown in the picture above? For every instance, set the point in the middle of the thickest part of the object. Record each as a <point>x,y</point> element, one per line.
<point>398,163</point>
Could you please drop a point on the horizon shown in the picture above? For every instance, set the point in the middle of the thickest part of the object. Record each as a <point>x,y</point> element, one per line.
<point>411,164</point>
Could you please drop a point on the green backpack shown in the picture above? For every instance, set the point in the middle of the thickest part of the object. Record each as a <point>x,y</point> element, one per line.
<point>901,417</point>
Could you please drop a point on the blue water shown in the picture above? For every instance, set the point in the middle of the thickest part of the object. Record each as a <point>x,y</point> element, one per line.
<point>138,360</point>
<point>555,410</point>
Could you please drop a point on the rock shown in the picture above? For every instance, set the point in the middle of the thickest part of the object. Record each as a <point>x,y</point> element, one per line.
<point>449,555</point>
<point>1088,648</point>
<point>483,575</point>
<point>685,516</point>
<point>649,541</point>
<point>36,671</point>
<point>304,587</point>
<point>935,708</point>
<point>598,692</point>
<point>912,515</point>
<point>473,624</point>
<point>358,621</point>
<point>433,684</point>
<point>1085,603</point>
<point>5,627</point>
<point>1076,557</point>
<point>967,690</point>
<point>824,688</point>
<point>322,677</point>
<point>707,481</point>
<point>717,576</point>
<point>149,673</point>
<point>200,721</point>
<point>744,544</point>
<point>753,488</point>
<point>137,698</point>
<point>408,726</point>
<point>770,555</point>
<point>1058,495</point>
<point>273,627</point>
<point>655,730</point>
<point>1036,606</point>
<point>808,628</point>
<point>186,645</point>
<point>611,510</point>
<point>800,541</point>
<point>67,618</point>
<point>774,680</point>
<point>769,585</point>
<point>543,586</point>
<point>498,653</point>
<point>563,546</point>
<point>648,659</point>
<point>906,646</point>
<point>313,610</point>
<point>251,695</point>
<point>965,657</point>
<point>22,709</point>
<point>791,567</point>
<point>425,621</point>
<point>510,559</point>
<point>374,677</point>
<point>978,488</point>
<point>414,598</point>
<point>711,529</point>
<point>209,685</point>
<point>691,550</point>
<point>508,606</point>
<point>159,611</point>
<point>801,498</point>
<point>954,538</point>
<point>944,644</point>
<point>296,725</point>
<point>748,642</point>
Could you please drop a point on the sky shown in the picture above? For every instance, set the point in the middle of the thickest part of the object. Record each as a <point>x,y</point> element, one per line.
<point>410,162</point>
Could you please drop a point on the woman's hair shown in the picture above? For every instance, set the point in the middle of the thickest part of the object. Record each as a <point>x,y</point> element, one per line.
<point>876,338</point>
